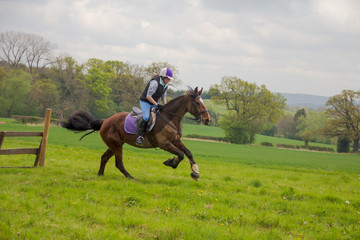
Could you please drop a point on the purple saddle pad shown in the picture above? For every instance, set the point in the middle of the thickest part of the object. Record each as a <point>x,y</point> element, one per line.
<point>130,125</point>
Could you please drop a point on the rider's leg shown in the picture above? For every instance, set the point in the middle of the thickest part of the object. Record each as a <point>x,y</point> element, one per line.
<point>145,108</point>
<point>141,131</point>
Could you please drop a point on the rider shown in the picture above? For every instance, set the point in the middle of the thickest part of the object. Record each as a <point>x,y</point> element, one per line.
<point>155,89</point>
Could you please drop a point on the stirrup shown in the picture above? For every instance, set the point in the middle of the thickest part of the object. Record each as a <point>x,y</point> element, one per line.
<point>140,141</point>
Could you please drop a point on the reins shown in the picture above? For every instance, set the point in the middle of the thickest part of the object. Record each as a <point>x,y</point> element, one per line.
<point>167,121</point>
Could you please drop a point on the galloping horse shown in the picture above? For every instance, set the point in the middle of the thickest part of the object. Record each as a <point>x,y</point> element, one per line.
<point>166,134</point>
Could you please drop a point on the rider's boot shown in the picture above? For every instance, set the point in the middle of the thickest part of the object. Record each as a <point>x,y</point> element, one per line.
<point>140,136</point>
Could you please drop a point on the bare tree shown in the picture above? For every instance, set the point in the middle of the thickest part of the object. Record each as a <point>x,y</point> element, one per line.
<point>31,50</point>
<point>38,54</point>
<point>13,47</point>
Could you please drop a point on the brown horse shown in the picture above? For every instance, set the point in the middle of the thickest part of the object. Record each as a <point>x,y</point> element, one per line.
<point>166,134</point>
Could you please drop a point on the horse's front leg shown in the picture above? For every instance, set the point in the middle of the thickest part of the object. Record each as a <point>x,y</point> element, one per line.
<point>173,162</point>
<point>179,149</point>
<point>195,169</point>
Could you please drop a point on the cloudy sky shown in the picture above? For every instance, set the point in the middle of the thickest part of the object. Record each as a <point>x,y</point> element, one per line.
<point>291,46</point>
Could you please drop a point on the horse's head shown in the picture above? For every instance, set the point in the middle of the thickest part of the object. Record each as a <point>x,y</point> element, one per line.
<point>197,106</point>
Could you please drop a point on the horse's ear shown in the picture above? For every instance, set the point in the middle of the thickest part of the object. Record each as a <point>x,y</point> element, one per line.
<point>200,92</point>
<point>196,90</point>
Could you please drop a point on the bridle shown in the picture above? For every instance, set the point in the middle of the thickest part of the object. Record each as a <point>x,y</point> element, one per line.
<point>197,118</point>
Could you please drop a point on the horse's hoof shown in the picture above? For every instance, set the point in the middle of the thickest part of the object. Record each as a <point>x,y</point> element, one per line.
<point>195,176</point>
<point>169,163</point>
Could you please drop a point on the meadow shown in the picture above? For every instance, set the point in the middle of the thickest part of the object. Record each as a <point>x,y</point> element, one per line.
<point>217,132</point>
<point>244,192</point>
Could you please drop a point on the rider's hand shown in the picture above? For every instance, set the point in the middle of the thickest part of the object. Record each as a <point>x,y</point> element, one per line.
<point>160,107</point>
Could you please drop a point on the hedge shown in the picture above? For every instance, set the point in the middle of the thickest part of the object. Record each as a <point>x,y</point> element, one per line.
<point>267,144</point>
<point>314,148</point>
<point>219,139</point>
<point>33,120</point>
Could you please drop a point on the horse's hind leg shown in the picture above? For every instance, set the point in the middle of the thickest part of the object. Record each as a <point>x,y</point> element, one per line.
<point>104,159</point>
<point>119,163</point>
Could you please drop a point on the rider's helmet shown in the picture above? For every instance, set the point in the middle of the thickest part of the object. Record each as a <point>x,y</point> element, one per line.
<point>166,72</point>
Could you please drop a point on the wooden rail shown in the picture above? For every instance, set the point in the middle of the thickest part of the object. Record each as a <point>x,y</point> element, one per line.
<point>39,152</point>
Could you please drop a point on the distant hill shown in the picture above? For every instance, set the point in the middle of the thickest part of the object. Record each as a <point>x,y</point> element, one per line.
<point>305,100</point>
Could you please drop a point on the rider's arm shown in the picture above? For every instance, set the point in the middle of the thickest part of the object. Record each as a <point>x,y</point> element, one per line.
<point>163,98</point>
<point>150,99</point>
<point>151,90</point>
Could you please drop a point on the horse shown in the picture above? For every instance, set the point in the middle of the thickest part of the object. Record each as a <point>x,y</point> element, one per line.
<point>166,133</point>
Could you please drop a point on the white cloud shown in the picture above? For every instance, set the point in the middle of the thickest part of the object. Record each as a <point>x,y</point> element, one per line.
<point>343,14</point>
<point>144,24</point>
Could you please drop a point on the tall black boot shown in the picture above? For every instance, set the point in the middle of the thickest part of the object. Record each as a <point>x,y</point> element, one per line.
<point>140,136</point>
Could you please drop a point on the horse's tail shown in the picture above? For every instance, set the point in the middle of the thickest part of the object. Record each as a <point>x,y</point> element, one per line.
<point>82,121</point>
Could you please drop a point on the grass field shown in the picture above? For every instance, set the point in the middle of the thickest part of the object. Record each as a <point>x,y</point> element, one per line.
<point>217,132</point>
<point>244,192</point>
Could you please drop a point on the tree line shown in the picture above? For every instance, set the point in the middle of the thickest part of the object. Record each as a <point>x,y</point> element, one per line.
<point>33,79</point>
<point>254,109</point>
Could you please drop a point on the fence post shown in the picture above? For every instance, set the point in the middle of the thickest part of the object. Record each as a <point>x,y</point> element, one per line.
<point>44,138</point>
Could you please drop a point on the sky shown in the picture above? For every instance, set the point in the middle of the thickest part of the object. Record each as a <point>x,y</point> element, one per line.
<point>291,46</point>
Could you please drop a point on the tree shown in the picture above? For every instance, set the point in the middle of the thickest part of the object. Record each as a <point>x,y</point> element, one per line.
<point>344,113</point>
<point>343,144</point>
<point>252,106</point>
<point>98,80</point>
<point>20,49</point>
<point>285,126</point>
<point>239,131</point>
<point>13,47</point>
<point>69,78</point>
<point>306,136</point>
<point>314,123</point>
<point>38,54</point>
<point>300,115</point>
<point>2,77</point>
<point>297,124</point>
<point>44,94</point>
<point>14,93</point>
<point>127,85</point>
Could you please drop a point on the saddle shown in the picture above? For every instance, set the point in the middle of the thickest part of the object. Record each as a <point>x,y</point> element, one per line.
<point>133,120</point>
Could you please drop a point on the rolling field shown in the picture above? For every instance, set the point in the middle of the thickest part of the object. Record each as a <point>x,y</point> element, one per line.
<point>244,192</point>
<point>217,132</point>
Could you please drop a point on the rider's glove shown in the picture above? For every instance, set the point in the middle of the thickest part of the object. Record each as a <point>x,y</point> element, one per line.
<point>160,107</point>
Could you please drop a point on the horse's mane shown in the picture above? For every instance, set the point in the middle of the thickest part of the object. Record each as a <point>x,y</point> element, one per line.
<point>190,92</point>
<point>193,93</point>
<point>181,99</point>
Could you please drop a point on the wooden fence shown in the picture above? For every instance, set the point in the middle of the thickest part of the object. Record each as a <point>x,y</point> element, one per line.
<point>39,152</point>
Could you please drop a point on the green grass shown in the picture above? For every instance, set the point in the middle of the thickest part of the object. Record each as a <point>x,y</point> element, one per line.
<point>245,192</point>
<point>202,130</point>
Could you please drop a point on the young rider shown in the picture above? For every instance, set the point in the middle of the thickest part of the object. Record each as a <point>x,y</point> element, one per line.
<point>155,89</point>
